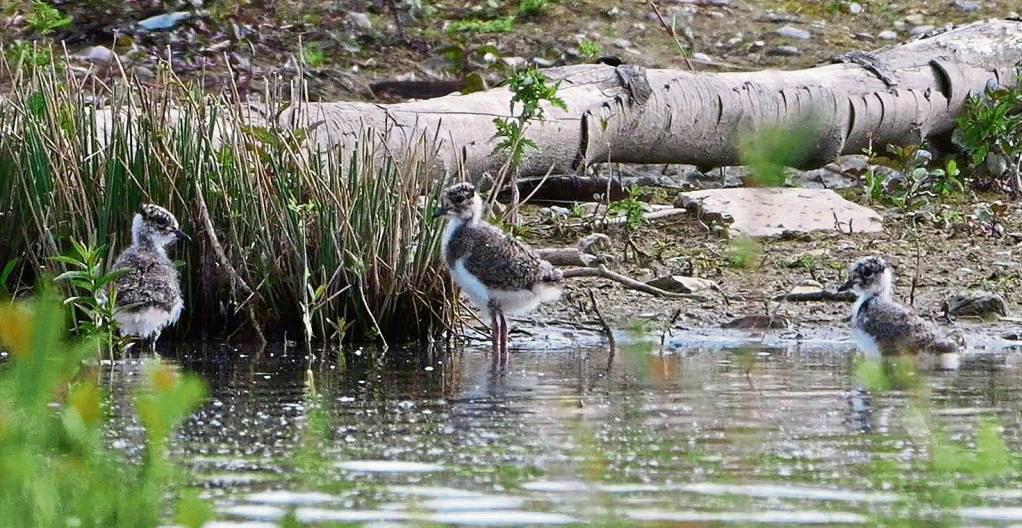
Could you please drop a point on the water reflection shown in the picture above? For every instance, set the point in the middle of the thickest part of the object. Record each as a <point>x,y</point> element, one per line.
<point>699,435</point>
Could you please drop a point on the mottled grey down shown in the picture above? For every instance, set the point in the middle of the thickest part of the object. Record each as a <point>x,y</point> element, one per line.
<point>896,329</point>
<point>497,260</point>
<point>151,280</point>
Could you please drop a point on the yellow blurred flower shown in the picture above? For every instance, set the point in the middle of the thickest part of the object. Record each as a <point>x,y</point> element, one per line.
<point>163,378</point>
<point>16,330</point>
<point>85,400</point>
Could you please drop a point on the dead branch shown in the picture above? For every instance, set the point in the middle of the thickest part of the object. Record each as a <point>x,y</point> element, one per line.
<point>822,295</point>
<point>606,327</point>
<point>603,273</point>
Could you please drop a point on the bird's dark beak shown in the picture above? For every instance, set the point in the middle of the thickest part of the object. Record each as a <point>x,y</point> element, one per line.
<point>181,235</point>
<point>846,286</point>
<point>439,211</point>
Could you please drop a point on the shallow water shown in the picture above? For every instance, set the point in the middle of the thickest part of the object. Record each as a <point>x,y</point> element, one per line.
<point>696,436</point>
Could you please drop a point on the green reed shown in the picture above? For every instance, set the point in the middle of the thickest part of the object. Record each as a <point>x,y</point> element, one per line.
<point>55,468</point>
<point>324,242</point>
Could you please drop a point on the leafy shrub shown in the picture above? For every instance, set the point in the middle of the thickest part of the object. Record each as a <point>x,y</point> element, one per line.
<point>55,469</point>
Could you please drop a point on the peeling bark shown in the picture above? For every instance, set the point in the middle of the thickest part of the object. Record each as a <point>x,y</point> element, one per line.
<point>628,114</point>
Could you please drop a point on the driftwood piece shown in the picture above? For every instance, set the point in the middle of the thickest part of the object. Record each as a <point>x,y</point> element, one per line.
<point>814,296</point>
<point>903,95</point>
<point>579,255</point>
<point>603,273</point>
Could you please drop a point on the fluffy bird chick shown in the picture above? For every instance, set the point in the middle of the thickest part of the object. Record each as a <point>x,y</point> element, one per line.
<point>881,326</point>
<point>149,291</point>
<point>498,273</point>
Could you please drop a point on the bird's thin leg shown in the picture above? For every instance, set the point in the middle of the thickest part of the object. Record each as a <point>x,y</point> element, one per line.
<point>495,337</point>
<point>505,340</point>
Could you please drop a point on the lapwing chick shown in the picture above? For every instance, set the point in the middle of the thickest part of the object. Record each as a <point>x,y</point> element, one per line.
<point>881,326</point>
<point>149,291</point>
<point>498,273</point>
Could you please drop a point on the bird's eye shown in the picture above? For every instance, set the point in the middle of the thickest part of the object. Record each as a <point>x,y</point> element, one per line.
<point>867,273</point>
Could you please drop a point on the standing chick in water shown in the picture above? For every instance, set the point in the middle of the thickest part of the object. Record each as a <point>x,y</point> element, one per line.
<point>149,292</point>
<point>883,327</point>
<point>498,273</point>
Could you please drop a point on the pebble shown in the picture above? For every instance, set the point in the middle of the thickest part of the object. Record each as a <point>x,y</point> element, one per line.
<point>514,62</point>
<point>888,35</point>
<point>966,6</point>
<point>361,20</point>
<point>702,57</point>
<point>623,43</point>
<point>794,33</point>
<point>855,8</point>
<point>164,21</point>
<point>757,45</point>
<point>98,55</point>
<point>915,19</point>
<point>865,37</point>
<point>920,30</point>
<point>784,51</point>
<point>543,62</point>
<point>900,25</point>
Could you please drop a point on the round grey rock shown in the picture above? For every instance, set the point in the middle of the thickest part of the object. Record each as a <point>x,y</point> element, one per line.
<point>784,51</point>
<point>794,33</point>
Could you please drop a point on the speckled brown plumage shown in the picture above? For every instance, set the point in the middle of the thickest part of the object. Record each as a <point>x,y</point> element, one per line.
<point>150,279</point>
<point>497,260</point>
<point>897,330</point>
<point>880,324</point>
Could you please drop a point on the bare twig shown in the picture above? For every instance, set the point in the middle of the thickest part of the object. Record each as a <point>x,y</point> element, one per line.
<point>822,295</point>
<point>915,277</point>
<point>667,328</point>
<point>674,34</point>
<point>603,273</point>
<point>236,281</point>
<point>606,327</point>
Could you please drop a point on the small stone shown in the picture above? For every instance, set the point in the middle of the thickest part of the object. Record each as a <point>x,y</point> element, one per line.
<point>855,8</point>
<point>794,33</point>
<point>165,21</point>
<point>865,37</point>
<point>900,25</point>
<point>888,35</point>
<point>543,62</point>
<point>784,51</point>
<point>996,165</point>
<point>757,45</point>
<point>514,62</point>
<point>702,57</point>
<point>920,30</point>
<point>966,6</point>
<point>361,20</point>
<point>976,304</point>
<point>98,55</point>
<point>623,43</point>
<point>915,19</point>
<point>682,284</point>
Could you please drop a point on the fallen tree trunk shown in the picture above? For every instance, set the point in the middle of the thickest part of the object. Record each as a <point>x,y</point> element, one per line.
<point>629,114</point>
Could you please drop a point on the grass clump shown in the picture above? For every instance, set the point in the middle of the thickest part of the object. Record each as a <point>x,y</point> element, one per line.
<point>590,49</point>
<point>534,7</point>
<point>497,25</point>
<point>328,242</point>
<point>44,19</point>
<point>54,467</point>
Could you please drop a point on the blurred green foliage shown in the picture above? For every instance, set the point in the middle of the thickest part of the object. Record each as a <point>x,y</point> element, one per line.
<point>55,468</point>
